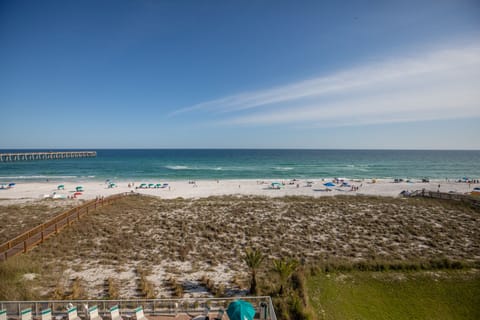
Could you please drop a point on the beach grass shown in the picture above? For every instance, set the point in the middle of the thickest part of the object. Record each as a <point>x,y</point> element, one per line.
<point>396,295</point>
<point>15,283</point>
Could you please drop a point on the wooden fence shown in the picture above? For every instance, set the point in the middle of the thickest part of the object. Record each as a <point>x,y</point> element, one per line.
<point>38,234</point>
<point>474,201</point>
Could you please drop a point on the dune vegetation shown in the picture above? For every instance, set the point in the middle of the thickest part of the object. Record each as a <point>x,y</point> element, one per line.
<point>147,247</point>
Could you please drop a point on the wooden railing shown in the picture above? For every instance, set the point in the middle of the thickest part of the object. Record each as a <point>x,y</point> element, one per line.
<point>184,308</point>
<point>40,233</point>
<point>474,201</point>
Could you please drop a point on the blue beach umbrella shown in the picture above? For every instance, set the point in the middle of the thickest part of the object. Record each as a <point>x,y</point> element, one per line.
<point>329,184</point>
<point>240,310</point>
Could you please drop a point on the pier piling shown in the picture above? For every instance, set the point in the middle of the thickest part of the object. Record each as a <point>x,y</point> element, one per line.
<point>30,156</point>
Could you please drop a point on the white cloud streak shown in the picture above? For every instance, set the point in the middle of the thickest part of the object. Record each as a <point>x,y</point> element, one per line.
<point>443,84</point>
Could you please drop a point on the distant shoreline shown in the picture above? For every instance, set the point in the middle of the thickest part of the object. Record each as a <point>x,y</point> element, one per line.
<point>33,191</point>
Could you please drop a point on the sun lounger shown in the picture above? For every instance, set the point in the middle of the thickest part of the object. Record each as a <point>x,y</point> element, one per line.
<point>26,314</point>
<point>72,314</point>
<point>139,315</point>
<point>115,313</point>
<point>46,314</point>
<point>93,313</point>
<point>3,314</point>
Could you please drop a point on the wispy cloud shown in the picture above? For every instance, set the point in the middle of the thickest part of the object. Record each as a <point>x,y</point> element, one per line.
<point>441,84</point>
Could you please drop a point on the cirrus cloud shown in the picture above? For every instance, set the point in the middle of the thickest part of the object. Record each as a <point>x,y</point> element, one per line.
<point>441,84</point>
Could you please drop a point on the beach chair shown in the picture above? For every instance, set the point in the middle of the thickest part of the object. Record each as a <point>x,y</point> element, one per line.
<point>3,314</point>
<point>139,315</point>
<point>26,314</point>
<point>72,314</point>
<point>93,313</point>
<point>115,313</point>
<point>46,314</point>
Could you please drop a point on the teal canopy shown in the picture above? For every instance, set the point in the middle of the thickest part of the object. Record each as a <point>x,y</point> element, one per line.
<point>240,310</point>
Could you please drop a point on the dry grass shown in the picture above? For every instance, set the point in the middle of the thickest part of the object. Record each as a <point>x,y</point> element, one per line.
<point>184,239</point>
<point>16,219</point>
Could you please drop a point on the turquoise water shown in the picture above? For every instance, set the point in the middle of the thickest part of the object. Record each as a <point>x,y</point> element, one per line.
<point>198,164</point>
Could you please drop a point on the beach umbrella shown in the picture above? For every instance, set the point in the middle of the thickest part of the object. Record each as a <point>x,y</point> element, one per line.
<point>61,187</point>
<point>79,188</point>
<point>329,184</point>
<point>11,184</point>
<point>240,310</point>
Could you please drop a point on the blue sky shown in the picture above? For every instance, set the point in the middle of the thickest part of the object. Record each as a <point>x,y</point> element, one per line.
<point>240,74</point>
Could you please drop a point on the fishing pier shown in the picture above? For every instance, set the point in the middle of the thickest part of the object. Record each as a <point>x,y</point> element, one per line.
<point>50,155</point>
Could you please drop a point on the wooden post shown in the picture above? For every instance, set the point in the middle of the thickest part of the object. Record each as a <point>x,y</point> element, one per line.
<point>42,237</point>
<point>56,229</point>
<point>25,246</point>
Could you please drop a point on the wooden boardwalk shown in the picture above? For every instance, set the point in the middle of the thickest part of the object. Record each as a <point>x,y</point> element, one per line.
<point>465,198</point>
<point>30,156</point>
<point>39,234</point>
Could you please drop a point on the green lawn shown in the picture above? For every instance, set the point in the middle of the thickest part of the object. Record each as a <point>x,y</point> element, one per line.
<point>396,295</point>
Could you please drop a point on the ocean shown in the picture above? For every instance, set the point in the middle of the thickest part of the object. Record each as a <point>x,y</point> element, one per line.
<point>208,164</point>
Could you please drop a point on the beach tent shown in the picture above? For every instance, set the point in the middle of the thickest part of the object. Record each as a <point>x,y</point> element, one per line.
<point>329,184</point>
<point>240,310</point>
<point>276,185</point>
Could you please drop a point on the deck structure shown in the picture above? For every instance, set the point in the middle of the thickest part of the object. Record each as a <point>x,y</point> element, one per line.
<point>30,156</point>
<point>154,309</point>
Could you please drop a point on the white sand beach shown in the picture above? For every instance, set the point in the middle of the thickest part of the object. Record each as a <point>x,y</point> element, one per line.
<point>31,191</point>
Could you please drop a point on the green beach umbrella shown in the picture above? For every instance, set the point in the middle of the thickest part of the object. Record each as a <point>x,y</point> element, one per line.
<point>240,310</point>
